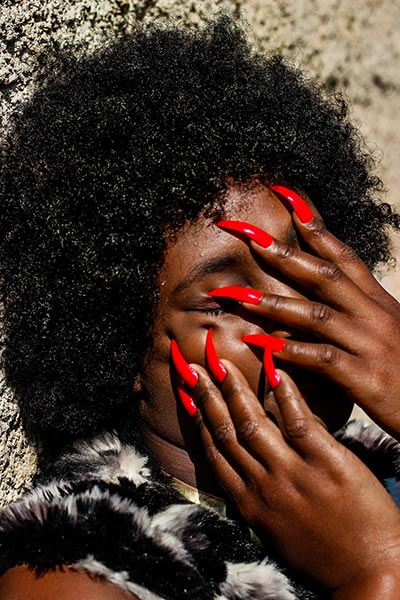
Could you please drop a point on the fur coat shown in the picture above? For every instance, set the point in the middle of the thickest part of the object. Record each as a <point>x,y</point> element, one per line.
<point>107,513</point>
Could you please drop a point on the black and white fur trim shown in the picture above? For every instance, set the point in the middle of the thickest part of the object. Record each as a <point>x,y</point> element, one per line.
<point>104,457</point>
<point>94,520</point>
<point>107,514</point>
<point>377,449</point>
<point>120,579</point>
<point>245,581</point>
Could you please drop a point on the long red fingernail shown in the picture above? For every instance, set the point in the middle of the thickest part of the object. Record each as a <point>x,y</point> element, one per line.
<point>275,344</point>
<point>300,207</point>
<point>216,367</point>
<point>269,368</point>
<point>239,293</point>
<point>187,372</point>
<point>261,237</point>
<point>187,400</point>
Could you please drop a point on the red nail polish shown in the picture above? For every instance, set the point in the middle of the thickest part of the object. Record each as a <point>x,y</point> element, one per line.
<point>261,237</point>
<point>215,365</point>
<point>187,372</point>
<point>300,207</point>
<point>187,401</point>
<point>239,293</point>
<point>275,344</point>
<point>269,368</point>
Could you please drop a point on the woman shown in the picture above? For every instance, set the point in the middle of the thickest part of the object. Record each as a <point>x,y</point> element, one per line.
<point>148,221</point>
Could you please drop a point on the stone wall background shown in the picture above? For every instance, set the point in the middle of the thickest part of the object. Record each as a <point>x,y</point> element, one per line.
<point>351,46</point>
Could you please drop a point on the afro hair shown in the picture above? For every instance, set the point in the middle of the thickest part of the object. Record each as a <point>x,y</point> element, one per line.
<point>116,150</point>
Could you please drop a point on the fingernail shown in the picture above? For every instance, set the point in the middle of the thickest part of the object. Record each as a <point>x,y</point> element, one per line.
<point>215,365</point>
<point>275,344</point>
<point>187,372</point>
<point>300,207</point>
<point>236,292</point>
<point>270,371</point>
<point>187,400</point>
<point>261,237</point>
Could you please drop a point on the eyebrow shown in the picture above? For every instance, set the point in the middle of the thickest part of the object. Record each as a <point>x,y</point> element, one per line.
<point>221,263</point>
<point>208,267</point>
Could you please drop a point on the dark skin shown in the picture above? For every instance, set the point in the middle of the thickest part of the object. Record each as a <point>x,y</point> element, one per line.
<point>20,583</point>
<point>355,318</point>
<point>299,489</point>
<point>294,484</point>
<point>202,258</point>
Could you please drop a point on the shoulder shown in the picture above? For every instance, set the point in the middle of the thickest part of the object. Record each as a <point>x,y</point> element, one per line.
<point>21,582</point>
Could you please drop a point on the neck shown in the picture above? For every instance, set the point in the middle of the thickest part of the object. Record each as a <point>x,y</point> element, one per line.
<point>187,466</point>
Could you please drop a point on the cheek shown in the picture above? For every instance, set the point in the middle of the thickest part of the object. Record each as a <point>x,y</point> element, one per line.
<point>228,344</point>
<point>227,337</point>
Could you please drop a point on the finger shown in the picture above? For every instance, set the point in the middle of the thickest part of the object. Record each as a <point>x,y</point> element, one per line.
<point>324,278</point>
<point>216,417</point>
<point>312,228</point>
<point>304,431</point>
<point>345,369</point>
<point>226,474</point>
<point>315,317</point>
<point>254,429</point>
<point>323,243</point>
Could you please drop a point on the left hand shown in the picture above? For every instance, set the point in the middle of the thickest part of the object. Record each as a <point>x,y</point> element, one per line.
<point>357,321</point>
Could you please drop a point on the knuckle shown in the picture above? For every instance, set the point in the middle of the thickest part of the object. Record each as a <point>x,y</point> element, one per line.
<point>285,251</point>
<point>347,254</point>
<point>296,349</point>
<point>211,453</point>
<point>275,302</point>
<point>233,388</point>
<point>317,227</point>
<point>223,433</point>
<point>321,313</point>
<point>328,355</point>
<point>247,429</point>
<point>204,393</point>
<point>330,271</point>
<point>298,428</point>
<point>198,420</point>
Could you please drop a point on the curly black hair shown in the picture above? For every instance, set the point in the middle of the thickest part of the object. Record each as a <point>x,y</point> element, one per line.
<point>118,150</point>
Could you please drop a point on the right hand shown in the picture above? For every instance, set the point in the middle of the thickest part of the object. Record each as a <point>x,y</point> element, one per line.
<point>299,489</point>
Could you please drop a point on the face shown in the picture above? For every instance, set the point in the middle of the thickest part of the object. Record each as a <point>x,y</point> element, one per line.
<point>204,258</point>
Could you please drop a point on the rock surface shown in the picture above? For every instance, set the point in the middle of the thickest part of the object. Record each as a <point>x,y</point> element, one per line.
<point>354,47</point>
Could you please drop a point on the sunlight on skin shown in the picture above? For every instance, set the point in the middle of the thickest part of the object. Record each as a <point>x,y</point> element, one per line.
<point>21,583</point>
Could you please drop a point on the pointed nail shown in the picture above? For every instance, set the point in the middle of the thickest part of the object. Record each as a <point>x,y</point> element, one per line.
<point>275,344</point>
<point>187,372</point>
<point>270,371</point>
<point>239,293</point>
<point>258,235</point>
<point>300,207</point>
<point>187,400</point>
<point>215,365</point>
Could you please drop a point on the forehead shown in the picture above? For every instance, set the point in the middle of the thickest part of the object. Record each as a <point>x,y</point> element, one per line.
<point>203,241</point>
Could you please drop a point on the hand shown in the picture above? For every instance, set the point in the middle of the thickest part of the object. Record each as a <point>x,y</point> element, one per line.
<point>357,321</point>
<point>300,490</point>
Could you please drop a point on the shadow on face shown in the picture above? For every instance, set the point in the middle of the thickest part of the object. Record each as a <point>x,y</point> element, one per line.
<point>203,258</point>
